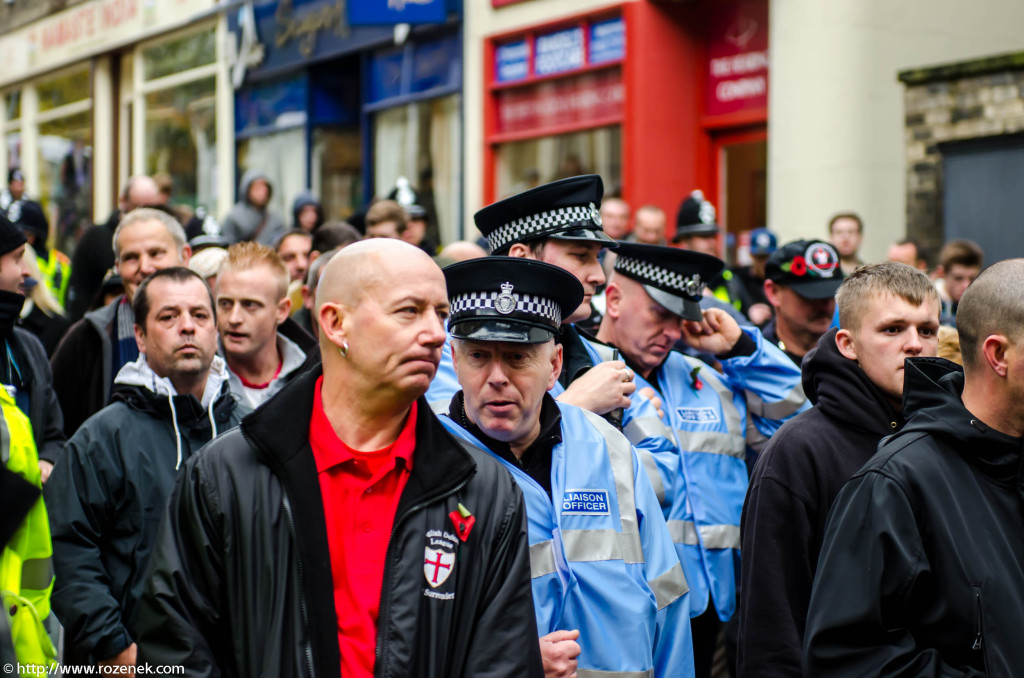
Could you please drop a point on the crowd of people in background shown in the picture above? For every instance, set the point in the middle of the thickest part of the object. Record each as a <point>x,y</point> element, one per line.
<point>605,437</point>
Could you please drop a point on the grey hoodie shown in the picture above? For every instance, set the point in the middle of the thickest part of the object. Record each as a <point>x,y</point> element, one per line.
<point>245,219</point>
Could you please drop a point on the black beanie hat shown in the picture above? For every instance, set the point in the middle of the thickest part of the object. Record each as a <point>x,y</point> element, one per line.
<point>11,236</point>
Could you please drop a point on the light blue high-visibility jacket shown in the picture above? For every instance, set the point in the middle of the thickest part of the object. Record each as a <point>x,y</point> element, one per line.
<point>712,418</point>
<point>601,557</point>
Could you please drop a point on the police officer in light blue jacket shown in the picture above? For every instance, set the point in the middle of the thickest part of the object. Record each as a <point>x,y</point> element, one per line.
<point>695,451</point>
<point>609,591</point>
<point>560,224</point>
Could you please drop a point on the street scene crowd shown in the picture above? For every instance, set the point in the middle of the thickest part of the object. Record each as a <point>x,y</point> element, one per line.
<point>585,445</point>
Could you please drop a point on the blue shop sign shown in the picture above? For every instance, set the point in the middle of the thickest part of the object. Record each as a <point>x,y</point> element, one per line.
<point>295,32</point>
<point>271,106</point>
<point>512,61</point>
<point>559,52</point>
<point>416,68</point>
<point>391,12</point>
<point>607,41</point>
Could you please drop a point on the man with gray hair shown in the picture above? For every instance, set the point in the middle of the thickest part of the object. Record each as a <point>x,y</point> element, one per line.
<point>921,566</point>
<point>103,342</point>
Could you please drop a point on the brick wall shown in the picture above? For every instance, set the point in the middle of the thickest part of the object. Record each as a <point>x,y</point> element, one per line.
<point>973,100</point>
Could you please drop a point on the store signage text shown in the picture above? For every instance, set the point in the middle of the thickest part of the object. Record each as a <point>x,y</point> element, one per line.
<point>550,106</point>
<point>561,52</point>
<point>738,58</point>
<point>607,41</point>
<point>84,23</point>
<point>512,61</point>
<point>305,28</point>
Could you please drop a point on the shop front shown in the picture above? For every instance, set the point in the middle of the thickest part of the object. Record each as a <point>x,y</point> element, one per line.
<point>659,98</point>
<point>345,110</point>
<point>107,89</point>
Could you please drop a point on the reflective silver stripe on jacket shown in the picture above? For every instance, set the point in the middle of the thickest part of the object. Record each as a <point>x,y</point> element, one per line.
<point>713,536</point>
<point>542,559</point>
<point>712,442</point>
<point>36,573</point>
<point>780,409</point>
<point>604,352</point>
<point>669,586</point>
<point>733,418</point>
<point>594,673</point>
<point>620,456</point>
<point>645,427</point>
<point>651,467</point>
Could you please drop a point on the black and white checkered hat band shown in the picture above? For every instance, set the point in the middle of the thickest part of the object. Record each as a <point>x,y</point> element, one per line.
<point>660,277</point>
<point>539,307</point>
<point>538,224</point>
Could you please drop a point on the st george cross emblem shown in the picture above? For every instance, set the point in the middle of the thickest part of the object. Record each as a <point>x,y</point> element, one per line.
<point>437,566</point>
<point>505,303</point>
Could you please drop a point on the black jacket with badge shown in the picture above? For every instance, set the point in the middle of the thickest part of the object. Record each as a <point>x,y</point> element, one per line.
<point>106,497</point>
<point>240,583</point>
<point>796,479</point>
<point>922,568</point>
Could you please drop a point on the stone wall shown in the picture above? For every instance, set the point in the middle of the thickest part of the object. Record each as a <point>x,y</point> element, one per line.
<point>959,102</point>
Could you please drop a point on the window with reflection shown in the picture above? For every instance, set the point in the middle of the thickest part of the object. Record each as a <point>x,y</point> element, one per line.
<point>181,140</point>
<point>64,155</point>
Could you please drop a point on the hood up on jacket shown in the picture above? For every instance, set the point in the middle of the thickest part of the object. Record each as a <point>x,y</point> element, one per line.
<point>842,390</point>
<point>247,179</point>
<point>138,375</point>
<point>307,199</point>
<point>932,390</point>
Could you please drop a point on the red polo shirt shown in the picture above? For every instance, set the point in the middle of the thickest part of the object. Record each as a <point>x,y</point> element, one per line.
<point>360,493</point>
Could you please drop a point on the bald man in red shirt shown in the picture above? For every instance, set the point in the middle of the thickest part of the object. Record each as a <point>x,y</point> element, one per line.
<point>341,529</point>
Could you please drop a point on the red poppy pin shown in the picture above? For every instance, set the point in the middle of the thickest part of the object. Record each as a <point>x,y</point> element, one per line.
<point>463,521</point>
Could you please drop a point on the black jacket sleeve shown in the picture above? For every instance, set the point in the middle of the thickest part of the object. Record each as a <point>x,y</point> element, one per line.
<point>78,500</point>
<point>75,378</point>
<point>499,646</point>
<point>179,621</point>
<point>44,410</point>
<point>871,568</point>
<point>777,529</point>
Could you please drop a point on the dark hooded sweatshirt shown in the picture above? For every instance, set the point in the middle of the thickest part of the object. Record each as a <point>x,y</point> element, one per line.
<point>794,483</point>
<point>922,566</point>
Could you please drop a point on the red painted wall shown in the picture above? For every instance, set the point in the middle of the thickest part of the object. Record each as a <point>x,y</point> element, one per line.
<point>666,151</point>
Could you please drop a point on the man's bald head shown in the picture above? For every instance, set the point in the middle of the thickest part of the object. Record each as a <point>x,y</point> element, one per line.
<point>355,270</point>
<point>140,191</point>
<point>992,304</point>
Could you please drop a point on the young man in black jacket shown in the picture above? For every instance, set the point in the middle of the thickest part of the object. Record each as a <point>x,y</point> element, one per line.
<point>922,566</point>
<point>341,525</point>
<point>854,377</point>
<point>109,489</point>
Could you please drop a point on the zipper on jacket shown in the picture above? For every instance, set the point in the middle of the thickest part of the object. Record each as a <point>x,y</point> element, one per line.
<point>382,614</point>
<point>307,648</point>
<point>979,639</point>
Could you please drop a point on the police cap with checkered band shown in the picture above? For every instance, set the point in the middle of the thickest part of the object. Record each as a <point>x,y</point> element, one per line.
<point>568,209</point>
<point>673,277</point>
<point>509,299</point>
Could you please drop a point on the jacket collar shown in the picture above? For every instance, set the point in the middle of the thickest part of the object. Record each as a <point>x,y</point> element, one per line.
<point>931,402</point>
<point>139,373</point>
<point>279,433</point>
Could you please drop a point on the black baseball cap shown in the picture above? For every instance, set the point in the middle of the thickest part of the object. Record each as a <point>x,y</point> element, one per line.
<point>808,267</point>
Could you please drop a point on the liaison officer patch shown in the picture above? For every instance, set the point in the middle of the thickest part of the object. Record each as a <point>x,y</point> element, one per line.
<point>585,503</point>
